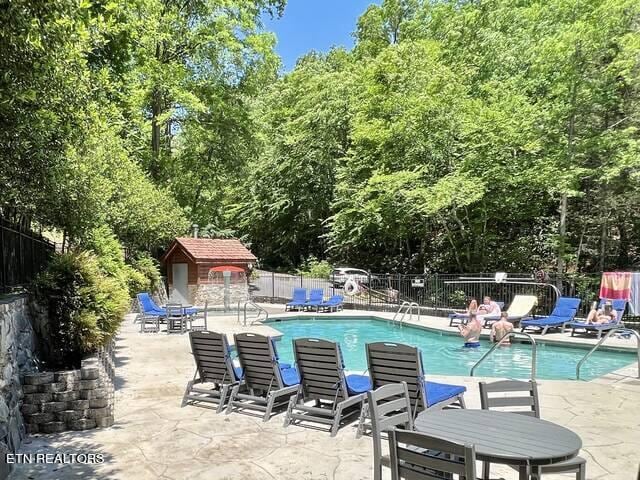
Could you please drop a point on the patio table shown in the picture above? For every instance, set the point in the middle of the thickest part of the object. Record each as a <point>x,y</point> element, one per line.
<point>501,437</point>
<point>187,309</point>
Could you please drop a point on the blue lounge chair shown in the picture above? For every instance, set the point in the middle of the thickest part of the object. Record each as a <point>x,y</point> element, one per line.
<point>267,384</point>
<point>338,397</point>
<point>335,302</point>
<point>316,297</point>
<point>298,300</point>
<point>618,305</point>
<point>214,367</point>
<point>407,367</point>
<point>149,307</point>
<point>563,313</point>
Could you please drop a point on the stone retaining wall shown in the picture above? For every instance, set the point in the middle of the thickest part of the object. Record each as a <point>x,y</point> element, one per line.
<point>17,346</point>
<point>45,402</point>
<point>70,400</point>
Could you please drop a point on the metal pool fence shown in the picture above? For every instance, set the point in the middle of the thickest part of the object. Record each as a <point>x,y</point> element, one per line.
<point>23,254</point>
<point>437,294</point>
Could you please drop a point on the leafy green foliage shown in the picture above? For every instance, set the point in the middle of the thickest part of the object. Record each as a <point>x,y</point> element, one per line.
<point>85,307</point>
<point>314,268</point>
<point>455,136</point>
<point>147,275</point>
<point>141,274</point>
<point>471,136</point>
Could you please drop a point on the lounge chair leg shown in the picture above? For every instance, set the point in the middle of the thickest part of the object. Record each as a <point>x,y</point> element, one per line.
<point>232,397</point>
<point>581,474</point>
<point>292,403</point>
<point>186,392</point>
<point>363,416</point>
<point>267,412</point>
<point>223,397</point>
<point>461,401</point>
<point>336,421</point>
<point>544,330</point>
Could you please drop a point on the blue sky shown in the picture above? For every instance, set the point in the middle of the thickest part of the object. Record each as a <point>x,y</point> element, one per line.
<point>315,25</point>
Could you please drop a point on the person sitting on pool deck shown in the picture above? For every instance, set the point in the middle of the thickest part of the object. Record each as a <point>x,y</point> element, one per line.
<point>500,328</point>
<point>471,331</point>
<point>602,315</point>
<point>473,306</point>
<point>489,307</point>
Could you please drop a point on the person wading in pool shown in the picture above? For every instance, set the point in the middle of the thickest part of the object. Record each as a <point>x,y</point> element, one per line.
<point>471,331</point>
<point>500,328</point>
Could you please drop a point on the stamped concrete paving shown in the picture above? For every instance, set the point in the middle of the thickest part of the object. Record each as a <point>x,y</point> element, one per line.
<point>154,438</point>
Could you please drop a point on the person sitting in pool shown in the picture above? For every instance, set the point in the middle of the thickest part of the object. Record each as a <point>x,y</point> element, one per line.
<point>471,331</point>
<point>500,328</point>
<point>605,314</point>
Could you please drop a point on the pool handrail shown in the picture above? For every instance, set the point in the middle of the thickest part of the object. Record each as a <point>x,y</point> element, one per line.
<point>602,340</point>
<point>410,306</point>
<point>497,344</point>
<point>257,307</point>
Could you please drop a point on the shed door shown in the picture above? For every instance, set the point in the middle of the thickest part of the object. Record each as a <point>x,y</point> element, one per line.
<point>179,293</point>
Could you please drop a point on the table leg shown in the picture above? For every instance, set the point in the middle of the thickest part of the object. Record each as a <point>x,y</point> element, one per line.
<point>536,473</point>
<point>524,473</point>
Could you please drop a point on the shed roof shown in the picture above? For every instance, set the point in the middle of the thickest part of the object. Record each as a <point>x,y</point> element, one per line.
<point>202,250</point>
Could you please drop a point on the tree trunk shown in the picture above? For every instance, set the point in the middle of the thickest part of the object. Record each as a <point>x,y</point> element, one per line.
<point>156,111</point>
<point>562,228</point>
<point>603,245</point>
<point>562,232</point>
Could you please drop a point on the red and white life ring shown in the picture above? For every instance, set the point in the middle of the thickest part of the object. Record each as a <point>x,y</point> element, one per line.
<point>351,287</point>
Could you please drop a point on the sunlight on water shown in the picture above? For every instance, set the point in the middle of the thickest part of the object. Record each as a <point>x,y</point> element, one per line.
<point>443,354</point>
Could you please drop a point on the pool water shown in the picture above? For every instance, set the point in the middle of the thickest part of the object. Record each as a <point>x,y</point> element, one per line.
<point>443,354</point>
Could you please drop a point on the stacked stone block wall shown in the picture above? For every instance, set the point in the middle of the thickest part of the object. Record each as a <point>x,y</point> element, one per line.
<point>47,402</point>
<point>70,400</point>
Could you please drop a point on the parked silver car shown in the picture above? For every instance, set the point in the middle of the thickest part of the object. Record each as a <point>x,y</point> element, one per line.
<point>340,275</point>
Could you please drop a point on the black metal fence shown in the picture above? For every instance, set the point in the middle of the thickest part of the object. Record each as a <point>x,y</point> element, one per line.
<point>23,254</point>
<point>437,294</point>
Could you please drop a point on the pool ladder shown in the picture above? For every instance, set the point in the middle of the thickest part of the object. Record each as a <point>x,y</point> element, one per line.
<point>602,340</point>
<point>260,310</point>
<point>534,352</point>
<point>408,308</point>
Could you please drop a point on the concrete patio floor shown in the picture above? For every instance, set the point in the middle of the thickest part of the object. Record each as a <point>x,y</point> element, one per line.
<point>154,438</point>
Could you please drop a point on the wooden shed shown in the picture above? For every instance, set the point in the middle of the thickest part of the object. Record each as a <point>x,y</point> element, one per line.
<point>188,262</point>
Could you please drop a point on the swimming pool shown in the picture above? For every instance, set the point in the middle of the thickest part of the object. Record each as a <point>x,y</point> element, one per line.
<point>443,354</point>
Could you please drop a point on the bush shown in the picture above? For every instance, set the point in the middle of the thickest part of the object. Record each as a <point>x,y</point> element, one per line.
<point>141,275</point>
<point>458,298</point>
<point>85,307</point>
<point>315,268</point>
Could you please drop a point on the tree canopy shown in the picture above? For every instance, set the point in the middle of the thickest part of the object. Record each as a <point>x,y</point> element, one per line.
<point>455,136</point>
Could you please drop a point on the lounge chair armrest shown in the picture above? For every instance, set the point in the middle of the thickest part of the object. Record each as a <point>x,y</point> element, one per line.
<point>288,390</point>
<point>361,397</point>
